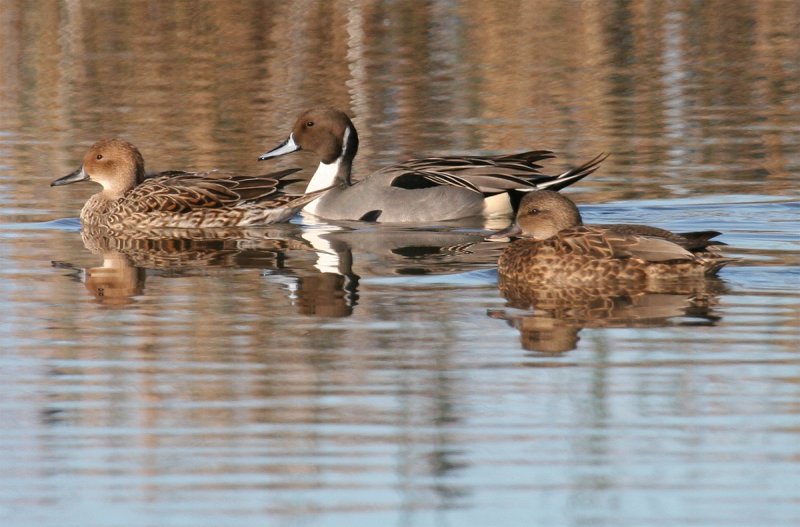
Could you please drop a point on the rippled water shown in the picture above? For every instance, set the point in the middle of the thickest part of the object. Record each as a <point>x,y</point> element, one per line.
<point>357,374</point>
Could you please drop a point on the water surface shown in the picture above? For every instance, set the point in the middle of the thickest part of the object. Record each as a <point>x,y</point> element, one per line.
<point>359,374</point>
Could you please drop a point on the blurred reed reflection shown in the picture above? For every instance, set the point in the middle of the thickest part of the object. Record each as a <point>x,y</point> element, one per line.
<point>558,314</point>
<point>686,97</point>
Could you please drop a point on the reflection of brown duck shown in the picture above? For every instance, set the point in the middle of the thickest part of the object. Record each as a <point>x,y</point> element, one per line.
<point>121,277</point>
<point>131,201</point>
<point>559,313</point>
<point>216,248</point>
<point>116,282</point>
<point>125,258</point>
<point>557,248</point>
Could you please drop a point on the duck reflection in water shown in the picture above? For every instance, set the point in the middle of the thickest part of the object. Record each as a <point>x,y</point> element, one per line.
<point>379,250</point>
<point>347,252</point>
<point>321,266</point>
<point>550,319</point>
<point>575,275</point>
<point>278,252</point>
<point>115,283</point>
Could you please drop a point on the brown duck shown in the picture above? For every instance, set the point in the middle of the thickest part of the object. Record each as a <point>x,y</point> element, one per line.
<point>131,200</point>
<point>557,249</point>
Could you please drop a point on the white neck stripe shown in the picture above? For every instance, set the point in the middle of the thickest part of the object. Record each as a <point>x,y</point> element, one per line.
<point>344,141</point>
<point>324,177</point>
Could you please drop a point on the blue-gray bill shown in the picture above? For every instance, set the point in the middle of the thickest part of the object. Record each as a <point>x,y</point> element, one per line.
<point>74,177</point>
<point>287,147</point>
<point>508,232</point>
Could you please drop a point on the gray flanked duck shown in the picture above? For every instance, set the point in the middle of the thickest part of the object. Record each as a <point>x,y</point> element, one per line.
<point>132,200</point>
<point>418,190</point>
<point>557,249</point>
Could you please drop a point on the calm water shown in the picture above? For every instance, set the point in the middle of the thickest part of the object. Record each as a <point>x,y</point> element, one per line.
<point>315,374</point>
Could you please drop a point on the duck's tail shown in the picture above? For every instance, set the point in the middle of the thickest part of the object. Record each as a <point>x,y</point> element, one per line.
<point>572,175</point>
<point>713,263</point>
<point>558,182</point>
<point>699,240</point>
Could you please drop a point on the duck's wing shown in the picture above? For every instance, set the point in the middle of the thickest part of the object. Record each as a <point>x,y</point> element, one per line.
<point>691,241</point>
<point>181,192</point>
<point>607,243</point>
<point>488,175</point>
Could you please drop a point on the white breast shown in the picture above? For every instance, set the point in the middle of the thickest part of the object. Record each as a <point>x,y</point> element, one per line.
<point>324,177</point>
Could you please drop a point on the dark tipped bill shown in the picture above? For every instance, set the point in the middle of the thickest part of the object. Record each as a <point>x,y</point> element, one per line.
<point>508,232</point>
<point>287,147</point>
<point>74,177</point>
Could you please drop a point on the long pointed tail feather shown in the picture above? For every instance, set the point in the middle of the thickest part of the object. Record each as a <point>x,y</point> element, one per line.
<point>573,175</point>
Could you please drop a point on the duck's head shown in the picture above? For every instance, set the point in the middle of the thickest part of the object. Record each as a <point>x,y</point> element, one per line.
<point>541,215</point>
<point>113,163</point>
<point>327,132</point>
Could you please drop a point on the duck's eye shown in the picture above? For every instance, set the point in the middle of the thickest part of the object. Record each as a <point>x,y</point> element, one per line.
<point>533,211</point>
<point>309,124</point>
<point>99,157</point>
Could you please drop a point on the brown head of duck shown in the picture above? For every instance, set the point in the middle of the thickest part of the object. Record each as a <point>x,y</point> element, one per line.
<point>115,164</point>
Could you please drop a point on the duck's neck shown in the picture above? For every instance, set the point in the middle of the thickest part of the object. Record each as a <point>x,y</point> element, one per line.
<point>330,174</point>
<point>338,172</point>
<point>119,186</point>
<point>112,193</point>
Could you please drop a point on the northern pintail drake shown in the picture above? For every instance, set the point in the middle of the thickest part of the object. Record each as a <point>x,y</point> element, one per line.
<point>132,200</point>
<point>556,248</point>
<point>418,190</point>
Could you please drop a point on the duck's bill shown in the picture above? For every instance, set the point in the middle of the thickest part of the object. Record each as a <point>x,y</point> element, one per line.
<point>287,147</point>
<point>74,177</point>
<point>508,232</point>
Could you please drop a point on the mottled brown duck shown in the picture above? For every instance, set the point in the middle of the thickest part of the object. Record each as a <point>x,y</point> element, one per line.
<point>557,249</point>
<point>132,200</point>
